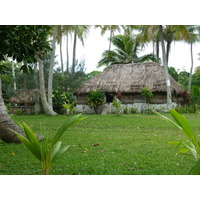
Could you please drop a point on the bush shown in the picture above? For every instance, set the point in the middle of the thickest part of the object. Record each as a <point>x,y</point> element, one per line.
<point>148,95</point>
<point>96,100</point>
<point>60,98</point>
<point>70,108</point>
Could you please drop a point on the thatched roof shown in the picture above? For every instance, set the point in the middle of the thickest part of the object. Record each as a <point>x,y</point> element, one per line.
<point>130,78</point>
<point>23,97</point>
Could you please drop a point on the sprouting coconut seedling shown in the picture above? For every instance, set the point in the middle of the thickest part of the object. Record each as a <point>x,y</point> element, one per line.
<point>190,145</point>
<point>46,152</point>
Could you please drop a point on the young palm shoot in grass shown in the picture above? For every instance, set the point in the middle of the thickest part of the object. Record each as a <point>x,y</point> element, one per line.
<point>117,104</point>
<point>46,153</point>
<point>191,144</point>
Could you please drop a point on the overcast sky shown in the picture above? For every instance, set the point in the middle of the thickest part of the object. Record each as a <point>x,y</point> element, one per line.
<point>95,44</point>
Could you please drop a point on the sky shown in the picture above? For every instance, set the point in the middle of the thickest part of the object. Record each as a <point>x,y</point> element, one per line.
<point>95,45</point>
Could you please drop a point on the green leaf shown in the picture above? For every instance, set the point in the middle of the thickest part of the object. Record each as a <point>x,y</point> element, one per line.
<point>28,144</point>
<point>183,123</point>
<point>60,152</point>
<point>170,121</point>
<point>196,169</point>
<point>184,150</point>
<point>64,127</point>
<point>32,139</point>
<point>55,150</point>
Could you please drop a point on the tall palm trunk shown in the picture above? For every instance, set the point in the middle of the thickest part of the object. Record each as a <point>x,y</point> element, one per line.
<point>157,50</point>
<point>37,107</point>
<point>61,55</point>
<point>50,80</point>
<point>47,109</point>
<point>168,50</point>
<point>67,45</point>
<point>169,96</point>
<point>14,78</point>
<point>74,53</point>
<point>111,34</point>
<point>191,69</point>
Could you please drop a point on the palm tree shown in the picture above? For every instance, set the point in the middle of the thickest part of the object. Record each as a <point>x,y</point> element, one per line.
<point>149,33</point>
<point>47,109</point>
<point>169,96</point>
<point>127,49</point>
<point>193,37</point>
<point>59,38</point>
<point>80,32</point>
<point>111,28</point>
<point>67,31</point>
<point>50,79</point>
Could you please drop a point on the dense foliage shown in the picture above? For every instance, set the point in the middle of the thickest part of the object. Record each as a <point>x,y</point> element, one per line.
<point>24,43</point>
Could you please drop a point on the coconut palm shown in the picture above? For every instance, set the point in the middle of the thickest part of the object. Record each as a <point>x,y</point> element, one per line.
<point>169,95</point>
<point>80,32</point>
<point>50,79</point>
<point>127,49</point>
<point>67,31</point>
<point>111,28</point>
<point>59,39</point>
<point>193,37</point>
<point>47,109</point>
<point>149,33</point>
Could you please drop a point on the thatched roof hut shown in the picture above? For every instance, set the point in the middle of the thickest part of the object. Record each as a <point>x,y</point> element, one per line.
<point>129,79</point>
<point>23,97</point>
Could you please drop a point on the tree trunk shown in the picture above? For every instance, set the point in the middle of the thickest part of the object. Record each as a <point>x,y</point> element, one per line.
<point>45,105</point>
<point>111,32</point>
<point>191,69</point>
<point>14,78</point>
<point>74,54</point>
<point>61,55</point>
<point>67,44</point>
<point>6,123</point>
<point>37,107</point>
<point>168,50</point>
<point>169,96</point>
<point>50,80</point>
<point>157,50</point>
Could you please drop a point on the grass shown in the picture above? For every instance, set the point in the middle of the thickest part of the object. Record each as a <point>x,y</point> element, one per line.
<point>128,145</point>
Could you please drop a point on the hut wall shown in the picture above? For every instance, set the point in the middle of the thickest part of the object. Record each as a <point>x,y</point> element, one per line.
<point>127,98</point>
<point>82,99</point>
<point>159,98</point>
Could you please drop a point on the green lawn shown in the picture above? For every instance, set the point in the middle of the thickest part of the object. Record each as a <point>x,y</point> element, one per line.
<point>128,144</point>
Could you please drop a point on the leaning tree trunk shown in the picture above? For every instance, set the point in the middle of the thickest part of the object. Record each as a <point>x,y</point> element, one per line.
<point>169,96</point>
<point>47,109</point>
<point>50,80</point>
<point>191,69</point>
<point>6,123</point>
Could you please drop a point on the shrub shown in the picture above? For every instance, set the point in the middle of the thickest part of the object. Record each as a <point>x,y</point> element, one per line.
<point>70,108</point>
<point>148,95</point>
<point>60,98</point>
<point>125,110</point>
<point>95,100</point>
<point>133,110</point>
